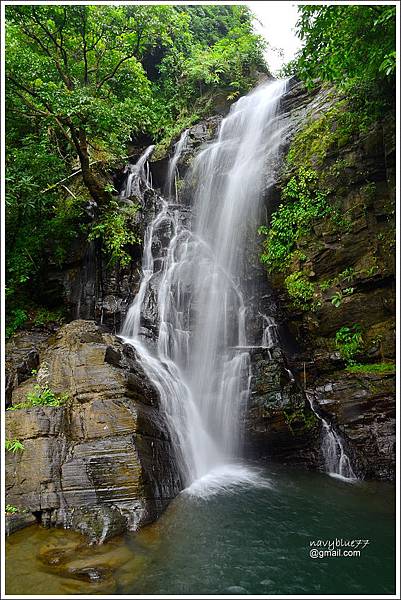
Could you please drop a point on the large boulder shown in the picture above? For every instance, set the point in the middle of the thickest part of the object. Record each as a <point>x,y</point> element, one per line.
<point>101,462</point>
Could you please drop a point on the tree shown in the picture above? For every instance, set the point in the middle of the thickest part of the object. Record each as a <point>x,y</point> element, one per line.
<point>346,44</point>
<point>78,69</point>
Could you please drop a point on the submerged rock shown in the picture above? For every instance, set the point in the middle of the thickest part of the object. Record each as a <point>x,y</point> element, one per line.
<point>101,463</point>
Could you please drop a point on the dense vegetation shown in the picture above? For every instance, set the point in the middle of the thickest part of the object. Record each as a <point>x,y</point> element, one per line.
<point>351,48</point>
<point>81,82</point>
<point>347,44</point>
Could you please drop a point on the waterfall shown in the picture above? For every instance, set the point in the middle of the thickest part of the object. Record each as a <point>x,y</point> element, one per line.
<point>199,362</point>
<point>337,462</point>
<point>171,183</point>
<point>138,176</point>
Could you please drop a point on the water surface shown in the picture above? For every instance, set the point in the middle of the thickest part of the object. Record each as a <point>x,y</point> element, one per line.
<point>253,538</point>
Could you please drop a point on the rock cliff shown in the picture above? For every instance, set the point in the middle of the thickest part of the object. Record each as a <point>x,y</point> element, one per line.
<point>100,462</point>
<point>346,260</point>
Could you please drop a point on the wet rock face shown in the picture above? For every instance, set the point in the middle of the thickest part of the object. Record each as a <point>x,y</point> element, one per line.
<point>91,288</point>
<point>198,135</point>
<point>101,463</point>
<point>279,422</point>
<point>22,356</point>
<point>360,178</point>
<point>362,406</point>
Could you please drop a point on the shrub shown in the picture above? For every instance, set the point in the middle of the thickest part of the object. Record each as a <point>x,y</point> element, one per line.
<point>300,290</point>
<point>41,395</point>
<point>116,232</point>
<point>349,342</point>
<point>17,318</point>
<point>44,316</point>
<point>304,204</point>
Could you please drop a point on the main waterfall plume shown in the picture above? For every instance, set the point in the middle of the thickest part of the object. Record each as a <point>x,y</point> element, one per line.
<point>200,363</point>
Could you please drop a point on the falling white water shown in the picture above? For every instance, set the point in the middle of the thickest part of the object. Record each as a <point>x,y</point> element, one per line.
<point>200,364</point>
<point>270,332</point>
<point>138,176</point>
<point>172,172</point>
<point>337,462</point>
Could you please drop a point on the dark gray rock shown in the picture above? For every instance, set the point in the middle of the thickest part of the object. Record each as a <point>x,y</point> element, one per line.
<point>362,406</point>
<point>91,288</point>
<point>280,424</point>
<point>22,356</point>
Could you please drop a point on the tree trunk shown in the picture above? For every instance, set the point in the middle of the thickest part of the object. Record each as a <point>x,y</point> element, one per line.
<point>99,195</point>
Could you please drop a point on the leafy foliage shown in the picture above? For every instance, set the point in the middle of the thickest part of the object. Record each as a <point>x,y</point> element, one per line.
<point>41,395</point>
<point>11,510</point>
<point>43,316</point>
<point>300,290</point>
<point>82,81</point>
<point>17,318</point>
<point>338,297</point>
<point>372,368</point>
<point>304,204</point>
<point>346,44</point>
<point>116,229</point>
<point>14,446</point>
<point>349,342</point>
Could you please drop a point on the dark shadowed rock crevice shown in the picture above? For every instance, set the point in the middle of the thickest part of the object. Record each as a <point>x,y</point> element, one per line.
<point>280,424</point>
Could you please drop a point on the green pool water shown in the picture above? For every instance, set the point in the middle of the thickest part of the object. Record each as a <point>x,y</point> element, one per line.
<point>250,539</point>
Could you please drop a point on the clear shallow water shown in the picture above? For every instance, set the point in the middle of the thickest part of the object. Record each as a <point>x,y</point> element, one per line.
<point>245,539</point>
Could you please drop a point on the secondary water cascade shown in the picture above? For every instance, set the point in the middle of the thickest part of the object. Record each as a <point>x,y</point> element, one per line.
<point>137,174</point>
<point>337,462</point>
<point>199,362</point>
<point>171,183</point>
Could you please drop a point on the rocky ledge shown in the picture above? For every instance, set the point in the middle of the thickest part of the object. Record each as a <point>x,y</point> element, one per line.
<point>99,463</point>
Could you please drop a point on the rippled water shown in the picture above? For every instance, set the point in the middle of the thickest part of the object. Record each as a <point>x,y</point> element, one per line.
<point>253,538</point>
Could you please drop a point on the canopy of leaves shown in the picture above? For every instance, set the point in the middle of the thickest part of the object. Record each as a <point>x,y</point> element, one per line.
<point>346,43</point>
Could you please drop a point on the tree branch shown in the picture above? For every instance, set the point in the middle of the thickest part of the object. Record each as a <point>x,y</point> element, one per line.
<point>66,78</point>
<point>114,71</point>
<point>82,14</point>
